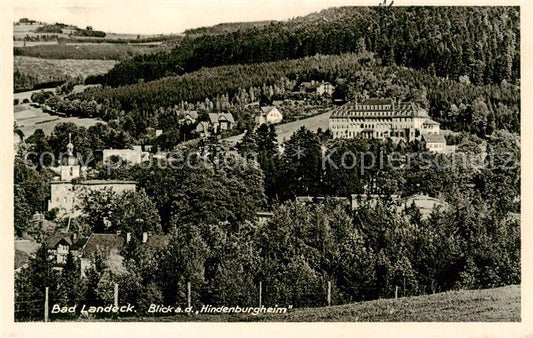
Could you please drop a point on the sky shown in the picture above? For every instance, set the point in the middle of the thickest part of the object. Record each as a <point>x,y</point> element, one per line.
<point>167,16</point>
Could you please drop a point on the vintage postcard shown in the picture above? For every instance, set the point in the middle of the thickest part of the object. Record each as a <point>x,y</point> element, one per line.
<point>323,167</point>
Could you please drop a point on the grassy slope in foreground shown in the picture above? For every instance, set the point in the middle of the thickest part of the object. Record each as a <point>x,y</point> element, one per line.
<point>489,305</point>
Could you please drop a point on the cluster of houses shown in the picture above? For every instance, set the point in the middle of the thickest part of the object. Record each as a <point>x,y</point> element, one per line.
<point>373,118</point>
<point>217,123</point>
<point>384,118</point>
<point>109,247</point>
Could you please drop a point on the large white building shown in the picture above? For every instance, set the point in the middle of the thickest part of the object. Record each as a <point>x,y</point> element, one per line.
<point>66,195</point>
<point>382,118</point>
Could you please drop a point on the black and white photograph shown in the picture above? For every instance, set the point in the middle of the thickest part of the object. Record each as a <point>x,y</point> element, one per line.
<point>265,161</point>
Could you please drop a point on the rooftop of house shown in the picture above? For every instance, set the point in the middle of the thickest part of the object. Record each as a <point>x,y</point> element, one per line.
<point>215,118</point>
<point>156,241</point>
<point>377,101</point>
<point>53,240</point>
<point>264,214</point>
<point>373,196</point>
<point>267,109</point>
<point>434,138</point>
<point>21,258</point>
<point>313,84</point>
<point>26,245</point>
<point>423,197</point>
<point>118,151</point>
<point>431,122</point>
<point>192,113</point>
<point>96,182</point>
<point>105,242</point>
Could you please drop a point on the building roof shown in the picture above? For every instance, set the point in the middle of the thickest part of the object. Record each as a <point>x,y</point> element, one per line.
<point>377,101</point>
<point>202,126</point>
<point>267,109</point>
<point>421,197</point>
<point>304,199</point>
<point>28,246</point>
<point>264,213</point>
<point>21,259</point>
<point>192,113</point>
<point>434,138</point>
<point>105,242</point>
<point>313,85</point>
<point>156,241</point>
<point>376,107</point>
<point>53,240</point>
<point>95,182</point>
<point>431,122</point>
<point>215,118</point>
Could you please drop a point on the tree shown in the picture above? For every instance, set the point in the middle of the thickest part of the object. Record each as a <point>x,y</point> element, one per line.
<point>219,192</point>
<point>182,261</point>
<point>30,286</point>
<point>71,289</point>
<point>31,192</point>
<point>302,164</point>
<point>129,211</point>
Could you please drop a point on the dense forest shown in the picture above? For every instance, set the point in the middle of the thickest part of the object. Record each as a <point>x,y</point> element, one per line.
<point>480,42</point>
<point>457,105</point>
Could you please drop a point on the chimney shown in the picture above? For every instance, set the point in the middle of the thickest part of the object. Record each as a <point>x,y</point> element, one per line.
<point>128,237</point>
<point>145,237</point>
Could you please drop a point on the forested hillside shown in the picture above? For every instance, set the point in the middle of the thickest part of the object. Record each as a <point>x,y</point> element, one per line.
<point>458,105</point>
<point>480,42</point>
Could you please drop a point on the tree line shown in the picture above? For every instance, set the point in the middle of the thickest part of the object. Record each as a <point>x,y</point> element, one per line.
<point>480,42</point>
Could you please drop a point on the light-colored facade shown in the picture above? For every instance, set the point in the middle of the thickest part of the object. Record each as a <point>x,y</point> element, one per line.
<point>318,88</point>
<point>133,156</point>
<point>382,118</point>
<point>325,88</point>
<point>435,143</point>
<point>269,115</point>
<point>424,203</point>
<point>67,196</point>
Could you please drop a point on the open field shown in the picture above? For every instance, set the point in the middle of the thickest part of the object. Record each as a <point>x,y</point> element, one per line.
<point>22,31</point>
<point>89,50</point>
<point>46,70</point>
<point>29,119</point>
<point>285,130</point>
<point>489,305</point>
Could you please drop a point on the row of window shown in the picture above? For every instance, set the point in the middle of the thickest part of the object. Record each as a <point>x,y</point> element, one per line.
<point>392,120</point>
<point>347,133</point>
